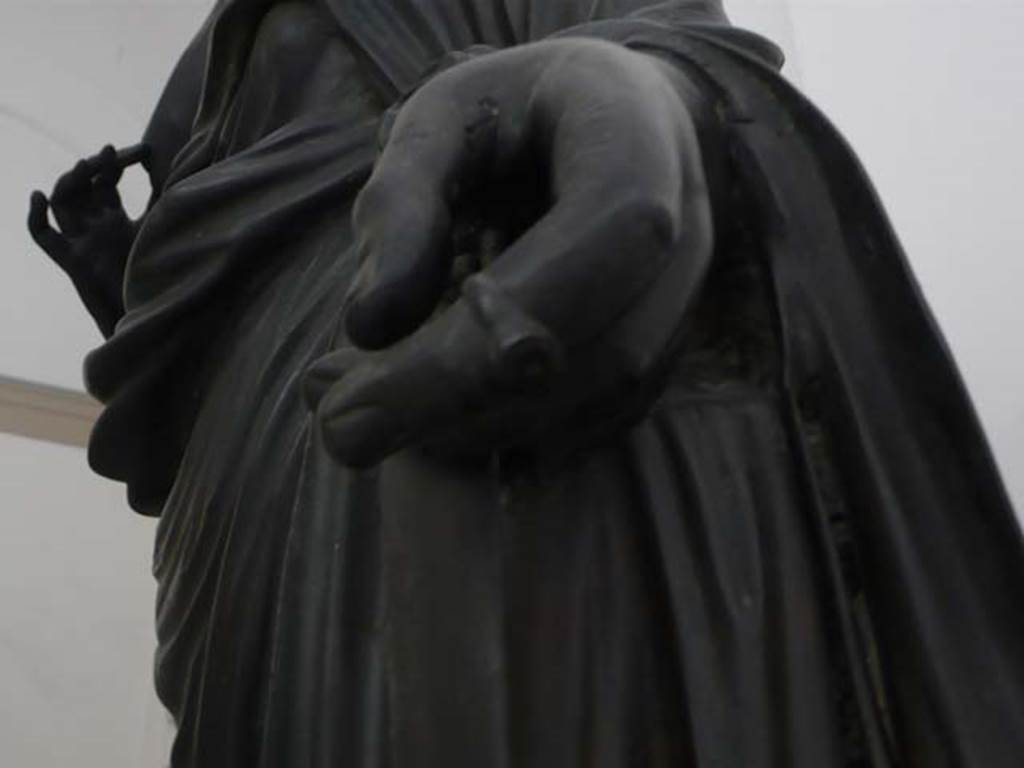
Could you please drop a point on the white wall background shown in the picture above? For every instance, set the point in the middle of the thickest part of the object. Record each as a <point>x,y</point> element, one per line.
<point>76,632</point>
<point>931,94</point>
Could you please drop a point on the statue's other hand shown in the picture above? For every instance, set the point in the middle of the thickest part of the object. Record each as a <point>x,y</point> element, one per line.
<point>581,303</point>
<point>94,234</point>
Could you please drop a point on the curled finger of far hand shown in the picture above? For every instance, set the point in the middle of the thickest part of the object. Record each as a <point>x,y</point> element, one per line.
<point>107,175</point>
<point>46,237</point>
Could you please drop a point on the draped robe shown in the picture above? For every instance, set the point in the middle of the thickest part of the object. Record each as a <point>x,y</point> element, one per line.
<point>801,556</point>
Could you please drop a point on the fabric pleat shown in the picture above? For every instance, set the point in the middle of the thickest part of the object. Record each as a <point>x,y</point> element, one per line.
<point>800,557</point>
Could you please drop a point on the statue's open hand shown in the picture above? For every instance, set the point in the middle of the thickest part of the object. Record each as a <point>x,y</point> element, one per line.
<point>94,233</point>
<point>574,306</point>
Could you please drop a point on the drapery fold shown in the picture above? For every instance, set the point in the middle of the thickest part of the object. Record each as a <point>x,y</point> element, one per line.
<point>865,457</point>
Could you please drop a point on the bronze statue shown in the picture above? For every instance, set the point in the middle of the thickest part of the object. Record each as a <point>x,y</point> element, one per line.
<point>535,383</point>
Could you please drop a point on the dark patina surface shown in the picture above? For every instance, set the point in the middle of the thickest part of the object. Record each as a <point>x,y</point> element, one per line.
<point>535,383</point>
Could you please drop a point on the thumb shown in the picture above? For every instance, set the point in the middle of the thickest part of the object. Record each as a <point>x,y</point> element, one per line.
<point>402,240</point>
<point>403,216</point>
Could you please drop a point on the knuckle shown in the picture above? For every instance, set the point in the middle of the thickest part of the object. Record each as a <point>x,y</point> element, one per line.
<point>438,94</point>
<point>649,219</point>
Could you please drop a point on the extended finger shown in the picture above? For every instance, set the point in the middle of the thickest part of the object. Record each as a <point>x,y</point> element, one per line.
<point>136,153</point>
<point>111,160</point>
<point>51,241</point>
<point>371,404</point>
<point>108,170</point>
<point>358,430</point>
<point>478,373</point>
